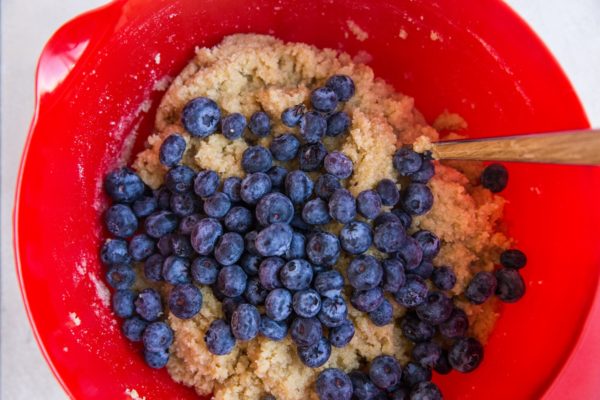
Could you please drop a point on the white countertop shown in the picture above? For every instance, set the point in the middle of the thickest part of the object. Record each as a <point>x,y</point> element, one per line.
<point>570,29</point>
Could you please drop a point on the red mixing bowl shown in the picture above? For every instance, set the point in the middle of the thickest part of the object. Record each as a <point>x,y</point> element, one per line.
<point>96,97</point>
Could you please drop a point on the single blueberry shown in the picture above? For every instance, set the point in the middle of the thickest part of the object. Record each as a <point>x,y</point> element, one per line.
<point>312,127</point>
<point>385,371</point>
<point>384,217</point>
<point>256,159</point>
<point>382,315</point>
<point>238,219</point>
<point>250,263</point>
<point>277,175</point>
<point>114,251</point>
<point>363,387</point>
<point>176,270</point>
<point>120,221</point>
<point>429,242</point>
<point>316,212</point>
<point>393,275</point>
<point>424,269</point>
<point>356,237</point>
<point>260,124</point>
<point>342,206</point>
<point>297,247</point>
<point>342,85</point>
<point>153,267</point>
<point>217,205</point>
<point>231,187</point>
<point>333,384</point>
<point>291,116</point>
<point>274,208</point>
<point>184,204</point>
<point>338,123</point>
<point>456,325</point>
<point>367,300</point>
<point>206,183</point>
<point>389,237</point>
<point>245,322</point>
<point>424,174</point>
<point>325,185</point>
<point>481,287</point>
<point>414,373</point>
<point>255,293</point>
<point>338,164</point>
<point>413,293</point>
<point>466,354</point>
<point>180,179</point>
<point>141,246</point>
<point>315,355</point>
<point>411,253</point>
<point>274,240</point>
<point>364,272</point>
<point>324,99</point>
<point>426,391</point>
<point>443,278</point>
<point>306,331</point>
<point>133,328</point>
<point>233,125</point>
<point>163,197</point>
<point>205,235</point>
<point>427,353</point>
<point>122,303</point>
<point>306,303</point>
<point>250,242</point>
<point>298,186</point>
<point>341,335</point>
<point>388,191</point>
<point>268,272</point>
<point>157,336</point>
<point>171,150</point>
<point>284,147</point>
<point>123,185</point>
<point>311,156</point>
<point>403,216</point>
<point>296,274</point>
<point>278,304</point>
<point>254,187</point>
<point>120,276</point>
<point>329,283</point>
<point>511,286</point>
<point>406,161</point>
<point>231,281</point>
<point>201,116</point>
<point>369,203</point>
<point>494,178</point>
<point>148,305</point>
<point>416,330</point>
<point>334,311</point>
<point>274,330</point>
<point>323,248</point>
<point>204,270</point>
<point>218,338</point>
<point>156,359</point>
<point>513,258</point>
<point>144,206</point>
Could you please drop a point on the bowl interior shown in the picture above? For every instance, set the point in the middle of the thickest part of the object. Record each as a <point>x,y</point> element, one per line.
<point>101,78</point>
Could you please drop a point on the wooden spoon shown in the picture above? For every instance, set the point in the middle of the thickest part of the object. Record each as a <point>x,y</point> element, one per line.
<point>568,147</point>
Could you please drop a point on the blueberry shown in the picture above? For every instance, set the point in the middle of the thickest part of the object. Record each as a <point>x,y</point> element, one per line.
<point>171,150</point>
<point>481,287</point>
<point>426,391</point>
<point>306,331</point>
<point>511,286</point>
<point>218,294</point>
<point>231,187</point>
<point>201,116</point>
<point>120,221</point>
<point>153,267</point>
<point>176,270</point>
<point>324,99</point>
<point>180,179</point>
<point>399,394</point>
<point>298,186</point>
<point>342,206</point>
<point>465,355</point>
<point>388,191</point>
<point>338,164</point>
<point>427,353</point>
<point>124,185</point>
<point>494,178</point>
<point>393,275</point>
<point>443,278</point>
<point>513,258</point>
<point>229,248</point>
<point>163,197</point>
<point>341,335</point>
<point>156,359</point>
<point>148,305</point>
<point>205,235</point>
<point>114,251</point>
<point>184,204</point>
<point>233,125</point>
<point>268,272</point>
<point>411,253</point>
<point>329,283</point>
<point>323,248</point>
<point>218,338</point>
<point>325,185</point>
<point>342,85</point>
<point>382,315</point>
<point>413,293</point>
<point>367,300</point>
<point>285,147</point>
<point>315,355</point>
<point>274,240</point>
<point>238,219</point>
<point>245,322</point>
<point>164,245</point>
<point>144,206</point>
<point>311,156</point>
<point>291,116</point>
<point>417,199</point>
<point>185,301</point>
<point>157,336</point>
<point>278,304</point>
<point>160,223</point>
<point>363,387</point>
<point>416,330</point>
<point>133,328</point>
<point>274,208</point>
<point>231,281</point>
<point>141,246</point>
<point>414,373</point>
<point>442,366</point>
<point>334,311</point>
<point>297,246</point>
<point>404,218</point>
<point>217,205</point>
<point>274,330</point>
<point>250,263</point>
<point>316,212</point>
<point>429,242</point>
<point>333,384</point>
<point>181,245</point>
<point>250,242</point>
<point>277,175</point>
<point>255,294</point>
<point>385,217</point>
<point>456,325</point>
<point>256,159</point>
<point>260,124</point>
<point>406,161</point>
<point>424,174</point>
<point>385,371</point>
<point>122,303</point>
<point>296,274</point>
<point>338,123</point>
<point>204,270</point>
<point>254,187</point>
<point>369,203</point>
<point>120,277</point>
<point>306,303</point>
<point>389,237</point>
<point>206,183</point>
<point>312,126</point>
<point>356,237</point>
<point>424,270</point>
<point>364,272</point>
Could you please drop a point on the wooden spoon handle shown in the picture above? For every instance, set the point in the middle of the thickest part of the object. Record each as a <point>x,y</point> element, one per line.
<point>569,147</point>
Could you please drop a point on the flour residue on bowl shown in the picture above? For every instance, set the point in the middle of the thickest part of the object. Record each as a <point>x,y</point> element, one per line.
<point>133,394</point>
<point>74,318</point>
<point>403,34</point>
<point>357,31</point>
<point>102,291</point>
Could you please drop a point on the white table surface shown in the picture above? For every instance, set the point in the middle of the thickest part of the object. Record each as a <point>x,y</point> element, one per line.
<point>570,29</point>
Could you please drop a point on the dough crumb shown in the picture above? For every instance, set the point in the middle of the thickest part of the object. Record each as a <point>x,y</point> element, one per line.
<point>435,36</point>
<point>357,31</point>
<point>157,58</point>
<point>74,318</point>
<point>422,144</point>
<point>448,121</point>
<point>403,34</point>
<point>133,394</point>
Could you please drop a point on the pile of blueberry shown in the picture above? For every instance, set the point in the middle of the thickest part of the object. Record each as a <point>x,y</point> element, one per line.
<point>261,245</point>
